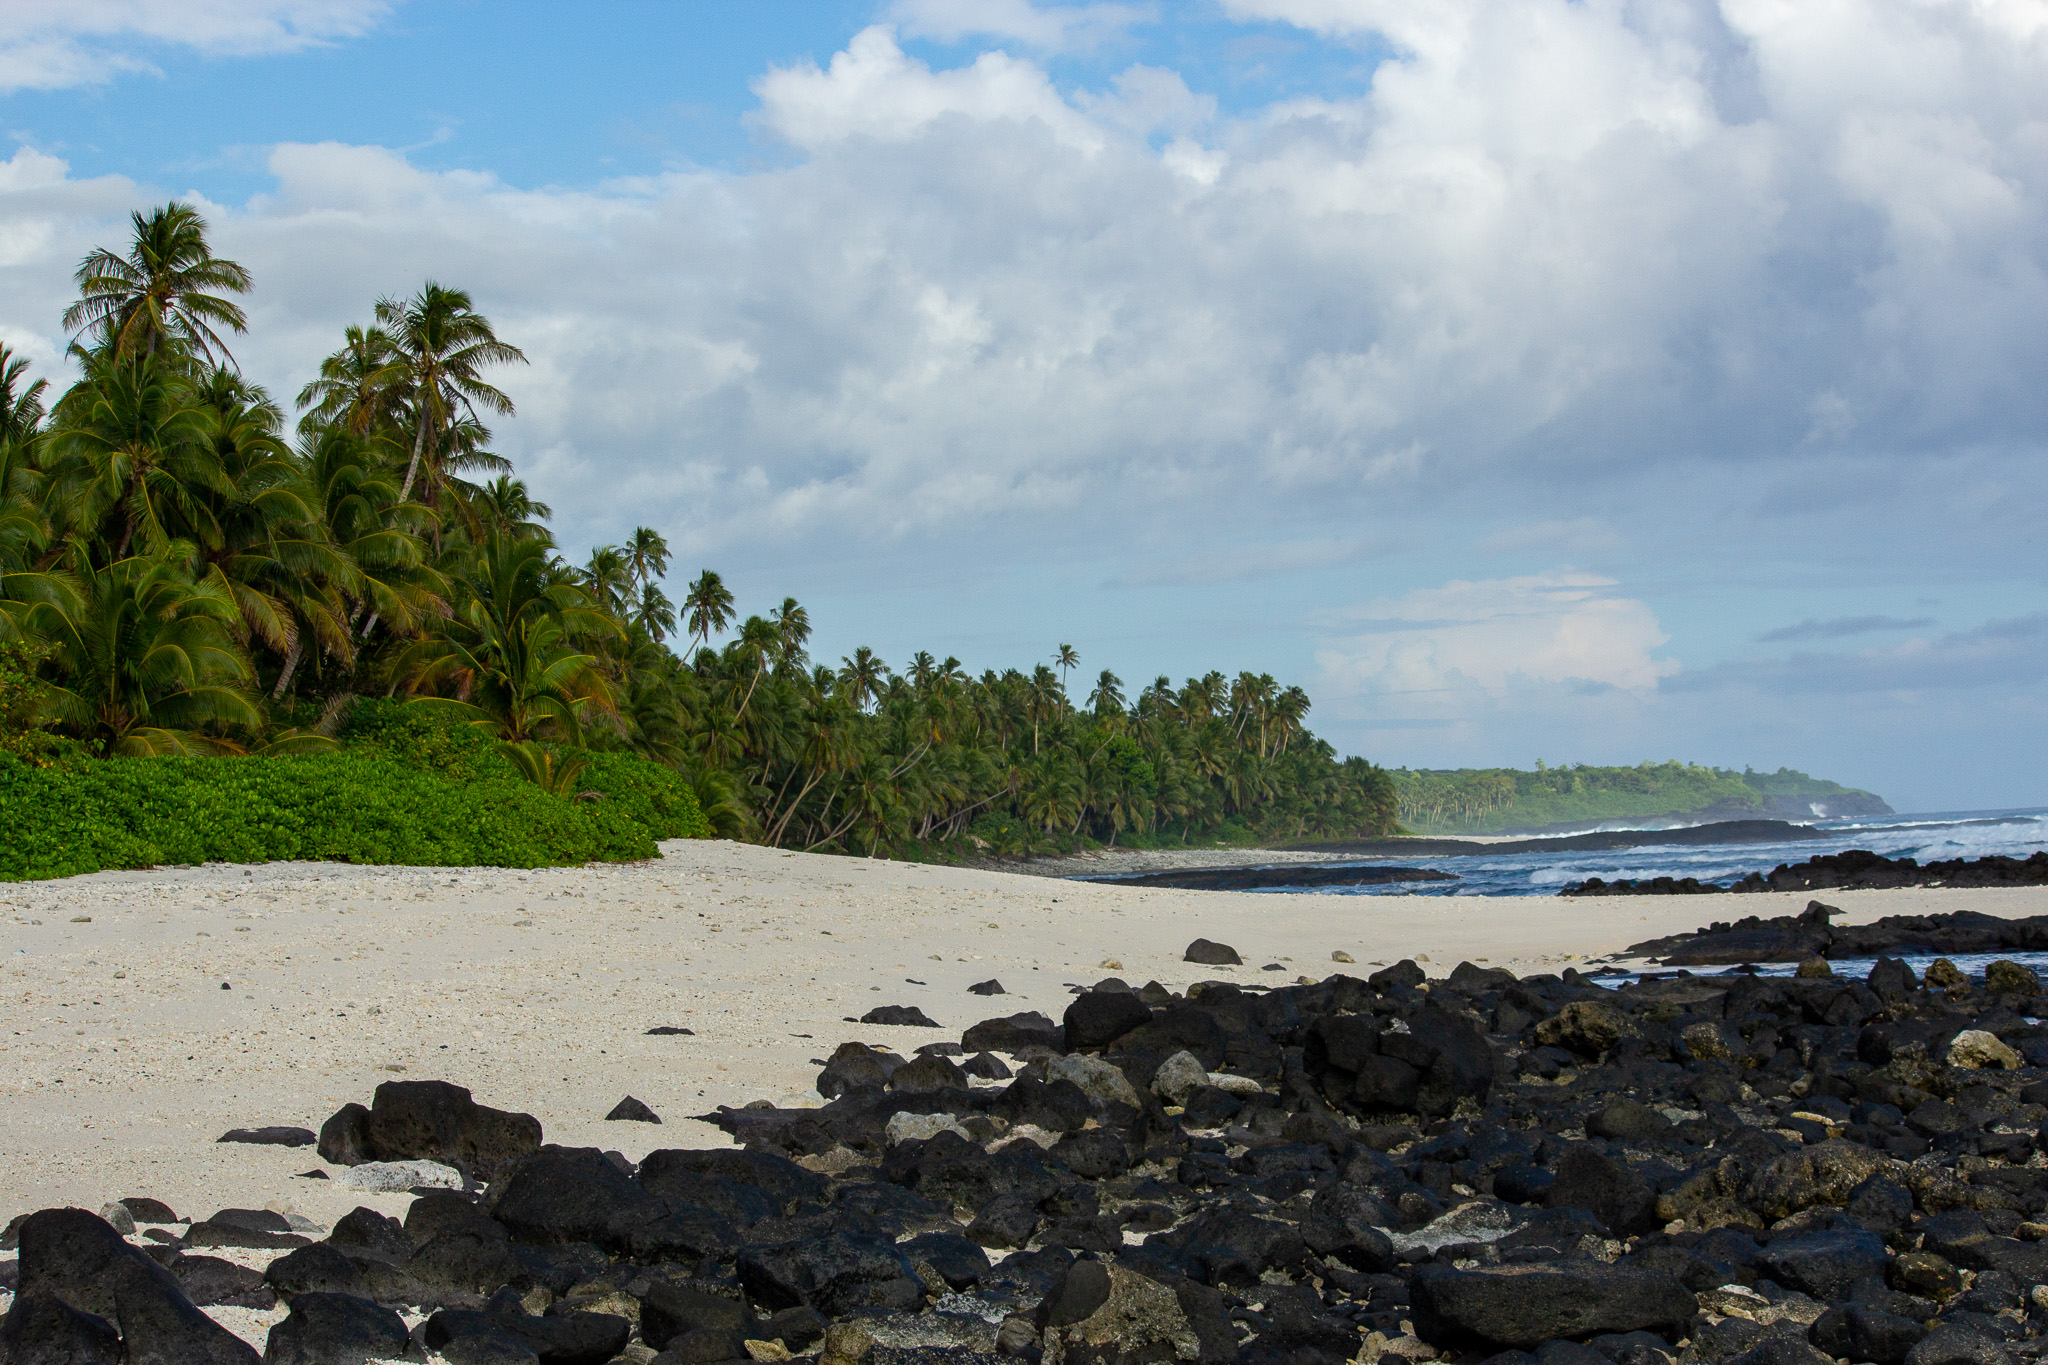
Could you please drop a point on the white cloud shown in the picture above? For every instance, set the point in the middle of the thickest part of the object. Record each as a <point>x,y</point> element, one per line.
<point>873,90</point>
<point>54,44</point>
<point>1432,649</point>
<point>1050,28</point>
<point>1558,249</point>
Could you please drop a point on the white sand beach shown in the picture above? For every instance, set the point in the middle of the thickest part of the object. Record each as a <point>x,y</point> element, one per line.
<point>122,1058</point>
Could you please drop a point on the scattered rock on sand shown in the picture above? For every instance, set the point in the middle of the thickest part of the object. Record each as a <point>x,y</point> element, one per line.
<point>670,1031</point>
<point>119,1219</point>
<point>146,1210</point>
<point>904,1016</point>
<point>271,1137</point>
<point>430,1120</point>
<point>1341,956</point>
<point>988,987</point>
<point>630,1110</point>
<point>395,1177</point>
<point>1209,954</point>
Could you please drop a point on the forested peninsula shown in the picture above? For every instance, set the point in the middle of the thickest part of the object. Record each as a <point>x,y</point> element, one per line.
<point>1577,795</point>
<point>228,635</point>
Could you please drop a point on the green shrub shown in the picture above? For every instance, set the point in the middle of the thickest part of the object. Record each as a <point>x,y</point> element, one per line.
<point>404,791</point>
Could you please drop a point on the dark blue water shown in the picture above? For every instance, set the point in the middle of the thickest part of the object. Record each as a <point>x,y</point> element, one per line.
<point>1944,834</point>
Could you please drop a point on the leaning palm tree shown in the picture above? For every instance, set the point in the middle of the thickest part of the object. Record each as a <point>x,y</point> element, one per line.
<point>647,553</point>
<point>444,345</point>
<point>168,289</point>
<point>148,659</point>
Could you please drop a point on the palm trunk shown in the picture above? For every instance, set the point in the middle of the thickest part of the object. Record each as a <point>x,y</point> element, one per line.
<point>419,445</point>
<point>291,664</point>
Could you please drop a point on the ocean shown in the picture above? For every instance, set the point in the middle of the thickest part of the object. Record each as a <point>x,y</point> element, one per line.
<point>1925,837</point>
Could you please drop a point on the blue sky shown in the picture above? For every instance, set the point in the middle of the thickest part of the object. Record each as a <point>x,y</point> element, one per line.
<point>1580,381</point>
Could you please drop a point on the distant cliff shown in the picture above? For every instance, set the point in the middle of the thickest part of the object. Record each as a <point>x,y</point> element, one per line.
<point>1577,796</point>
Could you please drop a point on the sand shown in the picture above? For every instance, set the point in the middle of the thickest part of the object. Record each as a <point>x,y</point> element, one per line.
<point>122,1058</point>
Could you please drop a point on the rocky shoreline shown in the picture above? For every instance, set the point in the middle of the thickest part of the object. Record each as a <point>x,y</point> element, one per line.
<point>1682,1171</point>
<point>1853,870</point>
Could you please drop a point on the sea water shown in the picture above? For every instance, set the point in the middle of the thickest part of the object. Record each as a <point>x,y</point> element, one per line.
<point>1924,837</point>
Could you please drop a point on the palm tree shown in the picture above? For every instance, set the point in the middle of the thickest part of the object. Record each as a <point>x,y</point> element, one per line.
<point>361,386</point>
<point>707,607</point>
<point>504,505</point>
<point>134,444</point>
<point>647,554</point>
<point>654,613</point>
<point>609,578</point>
<point>1065,659</point>
<point>1107,699</point>
<point>510,653</point>
<point>862,677</point>
<point>147,657</point>
<point>444,345</point>
<point>793,632</point>
<point>167,289</point>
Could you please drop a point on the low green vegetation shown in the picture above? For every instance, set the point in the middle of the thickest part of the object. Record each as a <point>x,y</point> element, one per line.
<point>1488,800</point>
<point>196,595</point>
<point>406,790</point>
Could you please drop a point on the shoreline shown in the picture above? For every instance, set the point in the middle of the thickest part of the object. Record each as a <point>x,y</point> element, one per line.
<point>122,1058</point>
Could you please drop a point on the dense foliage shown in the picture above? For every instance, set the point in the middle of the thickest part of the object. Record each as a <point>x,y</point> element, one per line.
<point>194,596</point>
<point>1478,800</point>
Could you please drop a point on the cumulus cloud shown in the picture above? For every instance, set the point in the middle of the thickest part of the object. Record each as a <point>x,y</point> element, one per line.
<point>1562,628</point>
<point>1051,28</point>
<point>54,44</point>
<point>1707,286</point>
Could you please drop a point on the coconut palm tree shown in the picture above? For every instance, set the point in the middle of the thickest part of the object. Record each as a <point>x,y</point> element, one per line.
<point>707,607</point>
<point>511,653</point>
<point>147,657</point>
<point>443,345</point>
<point>647,554</point>
<point>361,386</point>
<point>168,289</point>
<point>133,454</point>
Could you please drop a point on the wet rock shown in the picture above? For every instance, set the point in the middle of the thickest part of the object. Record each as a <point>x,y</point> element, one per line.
<point>2010,978</point>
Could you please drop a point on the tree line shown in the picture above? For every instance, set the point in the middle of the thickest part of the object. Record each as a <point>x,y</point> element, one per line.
<point>185,569</point>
